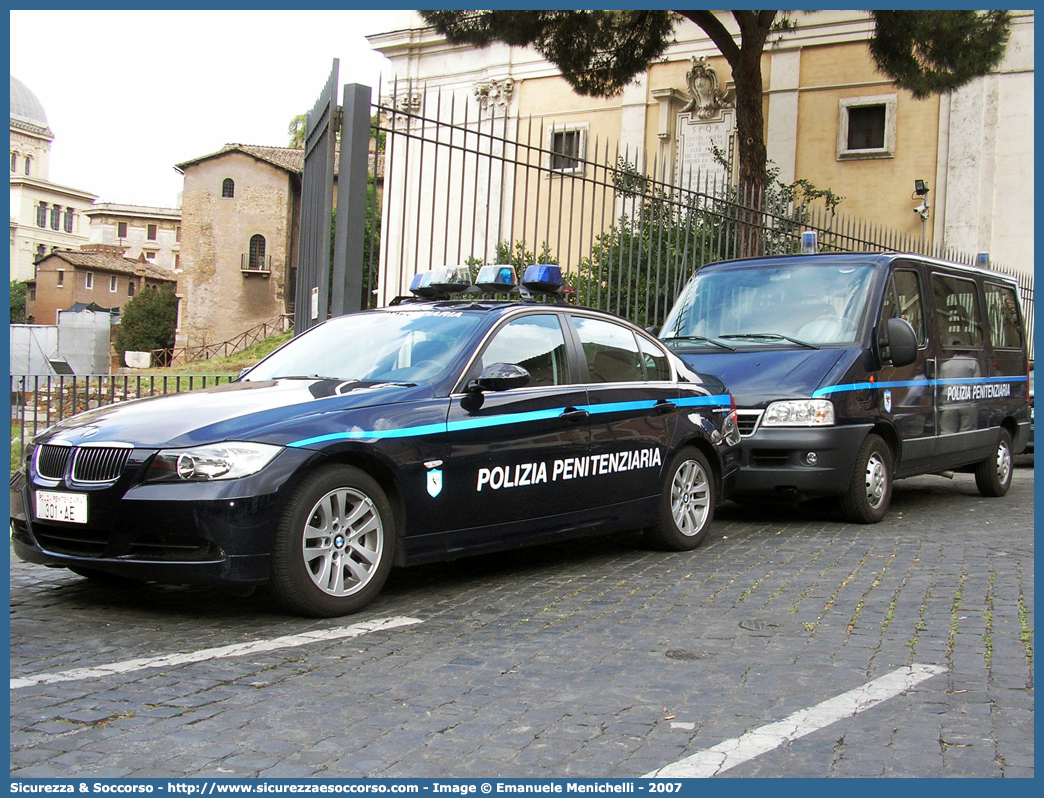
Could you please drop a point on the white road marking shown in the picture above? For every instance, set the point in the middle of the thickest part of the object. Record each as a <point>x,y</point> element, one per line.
<point>234,650</point>
<point>733,752</point>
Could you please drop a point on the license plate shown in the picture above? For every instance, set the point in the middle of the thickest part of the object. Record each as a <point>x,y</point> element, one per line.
<point>68,507</point>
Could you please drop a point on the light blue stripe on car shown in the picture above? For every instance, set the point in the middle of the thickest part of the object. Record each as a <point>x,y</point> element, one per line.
<point>502,420</point>
<point>869,386</point>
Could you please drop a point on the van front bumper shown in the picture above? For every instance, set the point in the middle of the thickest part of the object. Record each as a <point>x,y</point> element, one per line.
<point>777,460</point>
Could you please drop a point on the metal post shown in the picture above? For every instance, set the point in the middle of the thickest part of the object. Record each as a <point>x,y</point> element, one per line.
<point>350,232</point>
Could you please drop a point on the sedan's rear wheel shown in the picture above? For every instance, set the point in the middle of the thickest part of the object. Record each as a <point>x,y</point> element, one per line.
<point>687,505</point>
<point>334,544</point>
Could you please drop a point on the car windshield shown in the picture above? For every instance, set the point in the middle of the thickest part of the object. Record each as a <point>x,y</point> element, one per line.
<point>792,304</point>
<point>387,346</point>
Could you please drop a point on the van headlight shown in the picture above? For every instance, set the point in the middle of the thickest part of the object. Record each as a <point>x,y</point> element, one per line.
<point>215,461</point>
<point>799,413</point>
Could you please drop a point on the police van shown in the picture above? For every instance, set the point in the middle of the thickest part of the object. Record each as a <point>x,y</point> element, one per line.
<point>850,370</point>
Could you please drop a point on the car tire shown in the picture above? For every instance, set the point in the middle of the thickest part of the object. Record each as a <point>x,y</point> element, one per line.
<point>993,475</point>
<point>334,543</point>
<point>690,494</point>
<point>870,493</point>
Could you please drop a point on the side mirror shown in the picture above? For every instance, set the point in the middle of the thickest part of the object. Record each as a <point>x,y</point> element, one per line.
<point>901,341</point>
<point>499,377</point>
<point>653,330</point>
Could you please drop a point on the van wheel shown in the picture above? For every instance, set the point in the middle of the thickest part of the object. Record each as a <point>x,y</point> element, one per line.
<point>870,491</point>
<point>687,503</point>
<point>993,475</point>
<point>334,543</point>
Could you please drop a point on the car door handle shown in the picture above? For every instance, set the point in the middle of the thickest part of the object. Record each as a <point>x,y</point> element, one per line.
<point>663,407</point>
<point>575,414</point>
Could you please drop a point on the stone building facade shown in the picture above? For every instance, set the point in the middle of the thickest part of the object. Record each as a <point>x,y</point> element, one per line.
<point>154,233</point>
<point>240,217</point>
<point>44,215</point>
<point>972,148</point>
<point>97,275</point>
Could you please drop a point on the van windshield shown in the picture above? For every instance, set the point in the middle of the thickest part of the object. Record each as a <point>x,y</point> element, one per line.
<point>791,304</point>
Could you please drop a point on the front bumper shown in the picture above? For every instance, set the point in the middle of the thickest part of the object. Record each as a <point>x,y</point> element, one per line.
<point>181,533</point>
<point>775,460</point>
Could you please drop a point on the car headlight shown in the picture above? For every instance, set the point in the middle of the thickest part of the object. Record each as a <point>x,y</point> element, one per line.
<point>215,461</point>
<point>799,413</point>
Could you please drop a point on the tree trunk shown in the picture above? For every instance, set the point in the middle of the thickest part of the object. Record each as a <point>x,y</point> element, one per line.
<point>750,128</point>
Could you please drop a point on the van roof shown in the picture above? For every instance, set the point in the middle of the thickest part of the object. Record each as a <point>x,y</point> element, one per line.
<point>877,258</point>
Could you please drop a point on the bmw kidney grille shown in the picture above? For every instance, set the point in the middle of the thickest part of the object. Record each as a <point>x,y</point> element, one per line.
<point>89,463</point>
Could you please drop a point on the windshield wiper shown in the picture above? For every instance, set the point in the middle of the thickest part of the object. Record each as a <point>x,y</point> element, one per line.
<point>722,344</point>
<point>773,337</point>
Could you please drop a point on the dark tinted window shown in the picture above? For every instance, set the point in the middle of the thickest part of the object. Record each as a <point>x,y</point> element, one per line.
<point>1002,314</point>
<point>533,342</point>
<point>957,311</point>
<point>657,367</point>
<point>903,300</point>
<point>611,350</point>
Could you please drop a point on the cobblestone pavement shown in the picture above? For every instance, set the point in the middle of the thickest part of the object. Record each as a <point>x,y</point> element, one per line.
<point>594,659</point>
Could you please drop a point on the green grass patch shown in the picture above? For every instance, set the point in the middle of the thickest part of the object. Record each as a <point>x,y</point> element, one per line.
<point>232,364</point>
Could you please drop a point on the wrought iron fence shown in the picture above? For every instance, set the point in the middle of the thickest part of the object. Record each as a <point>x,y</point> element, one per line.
<point>462,187</point>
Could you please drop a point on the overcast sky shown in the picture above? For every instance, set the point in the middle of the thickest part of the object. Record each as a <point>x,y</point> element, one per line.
<point>128,94</point>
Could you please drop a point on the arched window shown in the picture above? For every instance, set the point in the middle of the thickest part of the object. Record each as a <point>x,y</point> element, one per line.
<point>257,252</point>
<point>28,163</point>
<point>14,161</point>
<point>41,215</point>
<point>228,187</point>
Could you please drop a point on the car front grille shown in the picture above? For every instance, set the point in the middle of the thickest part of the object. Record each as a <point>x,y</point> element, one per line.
<point>748,421</point>
<point>99,463</point>
<point>95,464</point>
<point>51,460</point>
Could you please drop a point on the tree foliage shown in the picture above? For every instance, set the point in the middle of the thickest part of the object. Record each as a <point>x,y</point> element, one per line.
<point>19,290</point>
<point>147,322</point>
<point>933,52</point>
<point>296,131</point>
<point>600,52</point>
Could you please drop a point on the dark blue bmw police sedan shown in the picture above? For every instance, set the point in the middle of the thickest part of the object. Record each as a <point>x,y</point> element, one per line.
<point>423,431</point>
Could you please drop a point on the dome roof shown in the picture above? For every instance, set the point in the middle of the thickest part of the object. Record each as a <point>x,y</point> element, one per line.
<point>25,106</point>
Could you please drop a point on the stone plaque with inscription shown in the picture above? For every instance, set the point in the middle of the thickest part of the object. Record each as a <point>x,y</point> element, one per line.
<point>697,139</point>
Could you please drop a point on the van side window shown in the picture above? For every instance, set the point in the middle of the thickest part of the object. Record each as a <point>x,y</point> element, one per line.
<point>903,300</point>
<point>957,311</point>
<point>1002,313</point>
